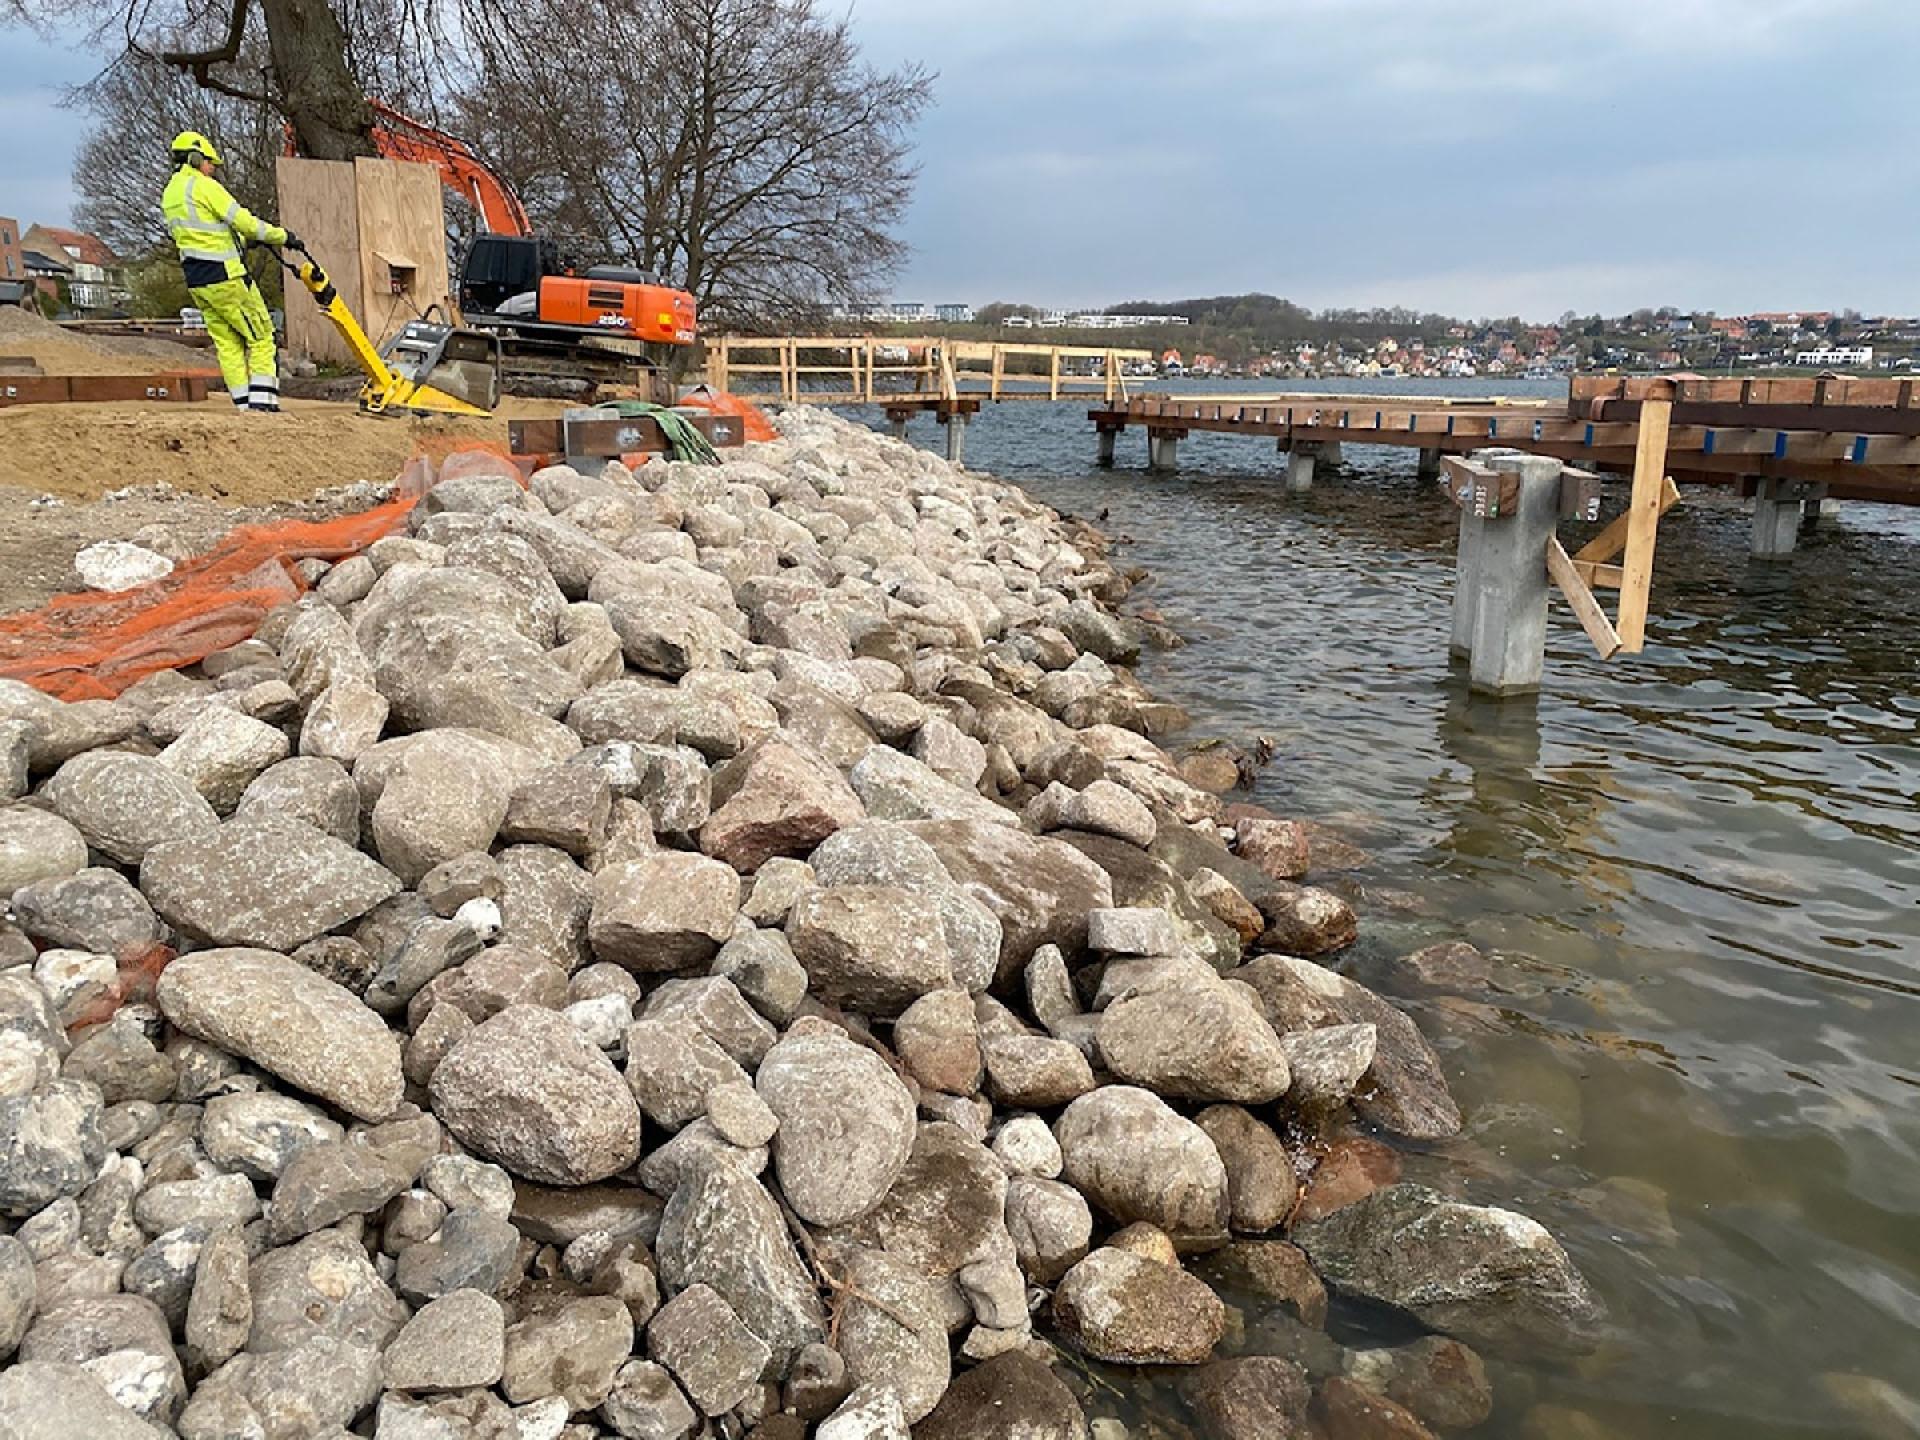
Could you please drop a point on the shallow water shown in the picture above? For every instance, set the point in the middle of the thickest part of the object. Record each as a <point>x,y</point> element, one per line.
<point>1700,868</point>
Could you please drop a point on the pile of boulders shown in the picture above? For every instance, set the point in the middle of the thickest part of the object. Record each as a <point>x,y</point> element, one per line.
<point>703,951</point>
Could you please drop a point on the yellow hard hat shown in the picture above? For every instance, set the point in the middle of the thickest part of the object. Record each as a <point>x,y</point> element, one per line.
<point>192,142</point>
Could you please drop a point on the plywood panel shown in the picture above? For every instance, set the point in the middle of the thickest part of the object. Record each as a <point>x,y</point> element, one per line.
<point>402,216</point>
<point>319,203</point>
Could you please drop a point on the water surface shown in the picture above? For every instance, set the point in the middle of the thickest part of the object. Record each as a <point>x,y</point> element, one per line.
<point>1699,869</point>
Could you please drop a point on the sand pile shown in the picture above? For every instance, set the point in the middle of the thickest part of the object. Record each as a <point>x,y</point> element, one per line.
<point>59,351</point>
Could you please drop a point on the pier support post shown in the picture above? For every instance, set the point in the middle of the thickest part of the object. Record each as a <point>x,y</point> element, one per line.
<point>1300,463</point>
<point>1104,455</point>
<point>1332,453</point>
<point>1428,467</point>
<point>897,424</point>
<point>956,424</point>
<point>1776,517</point>
<point>1163,450</point>
<point>1507,627</point>
<point>1812,510</point>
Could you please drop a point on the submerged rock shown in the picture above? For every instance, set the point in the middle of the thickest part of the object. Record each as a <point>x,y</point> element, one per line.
<point>1488,1276</point>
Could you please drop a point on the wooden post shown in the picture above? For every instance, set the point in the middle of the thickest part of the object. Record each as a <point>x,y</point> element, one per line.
<point>866,347</point>
<point>998,368</point>
<point>1053,374</point>
<point>1643,520</point>
<point>717,362</point>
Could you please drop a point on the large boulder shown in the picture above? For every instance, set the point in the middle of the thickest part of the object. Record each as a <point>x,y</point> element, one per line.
<point>1404,1090</point>
<point>262,880</point>
<point>1201,1042</point>
<point>775,799</point>
<point>37,845</point>
<point>528,1090</point>
<point>125,804</point>
<point>669,911</point>
<point>1122,1308</point>
<point>872,948</point>
<point>51,1145</point>
<point>902,1347</point>
<point>721,1228</point>
<point>1039,889</point>
<point>1013,1396</point>
<point>895,786</point>
<point>846,1123</point>
<point>1488,1276</point>
<point>1141,881</point>
<point>1134,1158</point>
<point>289,1021</point>
<point>445,799</point>
<point>52,1400</point>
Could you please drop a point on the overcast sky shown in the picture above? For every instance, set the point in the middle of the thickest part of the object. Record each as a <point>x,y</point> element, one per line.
<point>1472,156</point>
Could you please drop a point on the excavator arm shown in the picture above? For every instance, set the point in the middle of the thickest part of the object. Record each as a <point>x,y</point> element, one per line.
<point>401,137</point>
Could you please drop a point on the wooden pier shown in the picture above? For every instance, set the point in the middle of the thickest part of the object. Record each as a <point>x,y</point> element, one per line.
<point>1855,439</point>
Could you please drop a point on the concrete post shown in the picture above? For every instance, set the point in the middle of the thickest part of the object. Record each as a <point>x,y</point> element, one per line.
<point>1428,467</point>
<point>1300,463</point>
<point>1332,453</point>
<point>897,424</point>
<point>1466,584</point>
<point>1812,510</point>
<point>1104,456</point>
<point>1509,644</point>
<point>956,439</point>
<point>1163,450</point>
<point>1776,518</point>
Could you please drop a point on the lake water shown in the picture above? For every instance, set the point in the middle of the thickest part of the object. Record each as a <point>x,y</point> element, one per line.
<point>1699,869</point>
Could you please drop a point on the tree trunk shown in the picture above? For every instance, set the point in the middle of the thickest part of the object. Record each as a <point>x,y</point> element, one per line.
<point>324,104</point>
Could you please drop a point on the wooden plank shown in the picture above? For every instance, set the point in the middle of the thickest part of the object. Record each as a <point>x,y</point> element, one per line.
<point>1599,577</point>
<point>1612,540</point>
<point>1586,609</point>
<point>402,214</point>
<point>319,201</point>
<point>1643,523</point>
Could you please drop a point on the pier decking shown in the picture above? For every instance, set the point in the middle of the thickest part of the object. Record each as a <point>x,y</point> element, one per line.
<point>1856,439</point>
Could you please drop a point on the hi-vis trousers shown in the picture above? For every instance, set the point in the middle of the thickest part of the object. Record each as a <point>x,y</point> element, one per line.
<point>242,332</point>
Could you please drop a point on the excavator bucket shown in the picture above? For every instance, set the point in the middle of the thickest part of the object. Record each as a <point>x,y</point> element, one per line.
<point>450,360</point>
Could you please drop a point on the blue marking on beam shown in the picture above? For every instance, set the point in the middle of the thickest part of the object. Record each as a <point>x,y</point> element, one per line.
<point>1780,445</point>
<point>1708,447</point>
<point>1449,424</point>
<point>1859,449</point>
<point>1588,442</point>
<point>1539,429</point>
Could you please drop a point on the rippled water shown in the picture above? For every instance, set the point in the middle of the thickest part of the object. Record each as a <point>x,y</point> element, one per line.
<point>1700,868</point>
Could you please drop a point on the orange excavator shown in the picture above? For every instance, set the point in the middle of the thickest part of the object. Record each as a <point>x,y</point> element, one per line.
<point>555,318</point>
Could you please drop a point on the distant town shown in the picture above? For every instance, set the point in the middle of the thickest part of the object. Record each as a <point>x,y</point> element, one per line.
<point>1261,336</point>
<point>72,273</point>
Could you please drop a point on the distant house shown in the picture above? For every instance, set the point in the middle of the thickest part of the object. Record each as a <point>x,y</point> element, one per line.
<point>1170,363</point>
<point>46,273</point>
<point>1836,355</point>
<point>98,281</point>
<point>953,314</point>
<point>13,260</point>
<point>907,310</point>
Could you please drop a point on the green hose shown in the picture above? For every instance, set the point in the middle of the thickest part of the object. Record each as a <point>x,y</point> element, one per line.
<point>684,442</point>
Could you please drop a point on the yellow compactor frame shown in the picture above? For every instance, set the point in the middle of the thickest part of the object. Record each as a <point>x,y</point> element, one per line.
<point>467,361</point>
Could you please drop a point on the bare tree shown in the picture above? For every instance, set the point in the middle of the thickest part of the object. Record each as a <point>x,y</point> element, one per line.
<point>138,105</point>
<point>293,56</point>
<point>740,148</point>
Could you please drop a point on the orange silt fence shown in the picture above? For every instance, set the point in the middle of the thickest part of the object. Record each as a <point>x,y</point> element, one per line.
<point>93,646</point>
<point>725,402</point>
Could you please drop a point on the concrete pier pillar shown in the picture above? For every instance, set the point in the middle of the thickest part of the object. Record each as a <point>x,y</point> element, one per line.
<point>1428,466</point>
<point>1814,507</point>
<point>1508,583</point>
<point>1163,450</point>
<point>897,426</point>
<point>1104,455</point>
<point>1332,453</point>
<point>1776,518</point>
<point>1300,465</point>
<point>956,439</point>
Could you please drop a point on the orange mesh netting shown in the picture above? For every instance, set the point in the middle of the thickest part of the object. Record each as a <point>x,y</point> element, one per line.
<point>725,402</point>
<point>93,646</point>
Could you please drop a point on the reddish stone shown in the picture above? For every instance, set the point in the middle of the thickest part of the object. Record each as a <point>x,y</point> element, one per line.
<point>1352,1169</point>
<point>1348,1411</point>
<point>1279,847</point>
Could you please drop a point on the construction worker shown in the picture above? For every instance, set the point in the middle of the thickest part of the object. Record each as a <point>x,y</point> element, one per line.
<point>209,227</point>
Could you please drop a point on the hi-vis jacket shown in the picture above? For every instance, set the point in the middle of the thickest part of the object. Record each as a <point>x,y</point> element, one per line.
<point>208,226</point>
